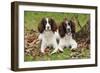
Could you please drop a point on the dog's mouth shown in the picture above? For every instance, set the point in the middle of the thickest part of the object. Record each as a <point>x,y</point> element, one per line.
<point>48,29</point>
<point>68,33</point>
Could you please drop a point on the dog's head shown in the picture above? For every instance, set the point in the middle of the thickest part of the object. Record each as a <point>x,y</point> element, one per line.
<point>47,24</point>
<point>67,27</point>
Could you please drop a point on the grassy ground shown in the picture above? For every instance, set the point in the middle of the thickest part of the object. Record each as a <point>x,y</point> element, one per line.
<point>58,56</point>
<point>31,21</point>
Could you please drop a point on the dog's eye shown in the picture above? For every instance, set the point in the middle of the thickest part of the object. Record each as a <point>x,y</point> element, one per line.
<point>50,22</point>
<point>69,24</point>
<point>64,24</point>
<point>44,22</point>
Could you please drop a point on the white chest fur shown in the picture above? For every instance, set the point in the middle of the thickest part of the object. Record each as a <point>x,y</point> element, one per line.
<point>68,41</point>
<point>48,37</point>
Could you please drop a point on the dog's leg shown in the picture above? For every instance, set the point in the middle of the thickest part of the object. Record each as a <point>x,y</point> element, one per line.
<point>40,37</point>
<point>56,49</point>
<point>55,46</point>
<point>61,49</point>
<point>73,44</point>
<point>43,47</point>
<point>60,46</point>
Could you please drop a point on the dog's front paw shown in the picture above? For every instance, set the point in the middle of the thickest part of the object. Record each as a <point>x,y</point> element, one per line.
<point>42,51</point>
<point>54,51</point>
<point>61,50</point>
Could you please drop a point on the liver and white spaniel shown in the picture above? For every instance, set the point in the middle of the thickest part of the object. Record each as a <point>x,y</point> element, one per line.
<point>66,32</point>
<point>47,28</point>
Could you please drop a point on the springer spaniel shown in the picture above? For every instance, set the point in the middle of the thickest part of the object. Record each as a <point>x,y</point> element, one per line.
<point>47,28</point>
<point>65,34</point>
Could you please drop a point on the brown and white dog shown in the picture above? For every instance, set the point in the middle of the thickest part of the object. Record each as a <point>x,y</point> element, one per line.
<point>47,29</point>
<point>65,34</point>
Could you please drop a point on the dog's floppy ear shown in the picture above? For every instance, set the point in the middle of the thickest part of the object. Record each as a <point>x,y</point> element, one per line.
<point>62,30</point>
<point>73,28</point>
<point>41,25</point>
<point>53,24</point>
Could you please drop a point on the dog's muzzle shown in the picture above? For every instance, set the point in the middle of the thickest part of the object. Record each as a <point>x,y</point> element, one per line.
<point>68,30</point>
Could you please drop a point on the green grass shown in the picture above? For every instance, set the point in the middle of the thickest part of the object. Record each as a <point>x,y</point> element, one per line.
<point>31,21</point>
<point>58,56</point>
<point>28,58</point>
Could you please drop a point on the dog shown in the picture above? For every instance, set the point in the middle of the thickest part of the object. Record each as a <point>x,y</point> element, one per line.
<point>65,34</point>
<point>47,29</point>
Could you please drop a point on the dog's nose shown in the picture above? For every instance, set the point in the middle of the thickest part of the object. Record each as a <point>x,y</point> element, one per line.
<point>68,30</point>
<point>47,27</point>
